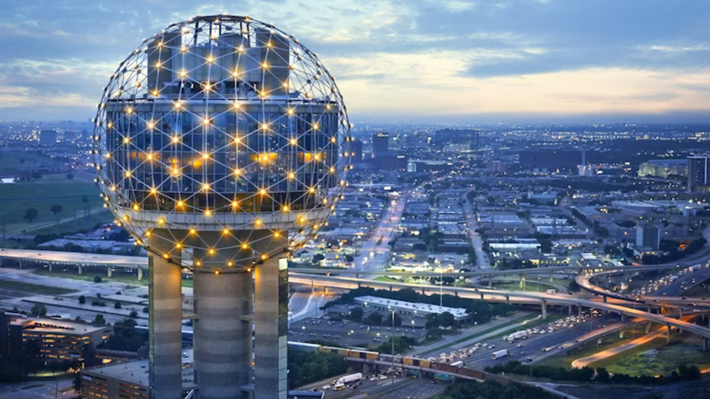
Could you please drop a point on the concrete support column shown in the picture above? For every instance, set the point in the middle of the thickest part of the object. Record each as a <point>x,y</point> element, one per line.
<point>579,310</point>
<point>681,313</point>
<point>490,281</point>
<point>22,264</point>
<point>623,317</point>
<point>140,274</point>
<point>604,298</point>
<point>668,335</point>
<point>507,300</point>
<point>648,327</point>
<point>165,330</point>
<point>50,267</point>
<point>271,329</point>
<point>109,271</point>
<point>481,296</point>
<point>648,309</point>
<point>544,309</point>
<point>80,269</point>
<point>222,330</point>
<point>569,311</point>
<point>522,281</point>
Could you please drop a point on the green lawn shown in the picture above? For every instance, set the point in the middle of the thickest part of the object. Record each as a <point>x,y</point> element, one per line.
<point>33,288</point>
<point>16,198</point>
<point>529,286</point>
<point>25,162</point>
<point>656,358</point>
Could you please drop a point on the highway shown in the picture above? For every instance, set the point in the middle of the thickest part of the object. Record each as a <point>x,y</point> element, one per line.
<point>476,241</point>
<point>512,296</point>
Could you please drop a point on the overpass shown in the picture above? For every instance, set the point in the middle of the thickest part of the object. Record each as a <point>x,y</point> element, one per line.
<point>540,298</point>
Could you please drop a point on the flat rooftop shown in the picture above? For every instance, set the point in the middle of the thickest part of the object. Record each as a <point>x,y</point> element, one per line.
<point>411,306</point>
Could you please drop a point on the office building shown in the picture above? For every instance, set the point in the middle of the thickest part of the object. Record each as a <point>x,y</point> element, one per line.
<point>48,137</point>
<point>380,144</point>
<point>664,168</point>
<point>698,178</point>
<point>356,151</point>
<point>648,236</point>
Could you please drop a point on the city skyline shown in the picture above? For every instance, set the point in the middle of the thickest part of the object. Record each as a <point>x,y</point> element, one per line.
<point>457,62</point>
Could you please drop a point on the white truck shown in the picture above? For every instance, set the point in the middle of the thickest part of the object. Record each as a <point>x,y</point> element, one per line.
<point>340,384</point>
<point>519,335</point>
<point>499,354</point>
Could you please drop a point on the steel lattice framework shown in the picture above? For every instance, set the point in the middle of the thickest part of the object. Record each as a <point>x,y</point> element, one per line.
<point>222,124</point>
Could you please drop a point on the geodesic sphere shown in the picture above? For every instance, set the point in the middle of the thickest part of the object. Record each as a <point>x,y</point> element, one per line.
<point>222,124</point>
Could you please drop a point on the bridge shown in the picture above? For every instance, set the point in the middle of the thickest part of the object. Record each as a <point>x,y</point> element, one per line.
<point>543,299</point>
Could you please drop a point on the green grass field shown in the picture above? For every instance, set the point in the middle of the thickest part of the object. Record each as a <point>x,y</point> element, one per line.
<point>16,198</point>
<point>24,162</point>
<point>639,361</point>
<point>33,288</point>
<point>529,286</point>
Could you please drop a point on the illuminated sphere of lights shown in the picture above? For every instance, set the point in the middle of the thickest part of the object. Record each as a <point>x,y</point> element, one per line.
<point>222,124</point>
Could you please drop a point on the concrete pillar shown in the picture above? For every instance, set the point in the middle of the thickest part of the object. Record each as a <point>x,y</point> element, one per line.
<point>80,269</point>
<point>50,266</point>
<point>569,311</point>
<point>648,309</point>
<point>109,271</point>
<point>681,313</point>
<point>140,274</point>
<point>522,281</point>
<point>507,300</point>
<point>313,287</point>
<point>604,298</point>
<point>648,327</point>
<point>544,309</point>
<point>481,296</point>
<point>165,332</point>
<point>223,333</point>
<point>668,335</point>
<point>490,281</point>
<point>271,329</point>
<point>621,334</point>
<point>22,264</point>
<point>623,317</point>
<point>579,310</point>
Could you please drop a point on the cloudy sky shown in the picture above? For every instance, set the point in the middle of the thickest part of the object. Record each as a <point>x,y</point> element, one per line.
<point>399,61</point>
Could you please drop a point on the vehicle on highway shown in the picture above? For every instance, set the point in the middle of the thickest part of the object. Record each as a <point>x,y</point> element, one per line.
<point>499,354</point>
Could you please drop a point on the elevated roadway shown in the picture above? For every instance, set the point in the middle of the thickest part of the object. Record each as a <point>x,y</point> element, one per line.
<point>540,298</point>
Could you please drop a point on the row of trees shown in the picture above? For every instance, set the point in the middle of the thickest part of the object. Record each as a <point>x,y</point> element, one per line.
<point>32,213</point>
<point>585,374</point>
<point>674,253</point>
<point>489,389</point>
<point>307,367</point>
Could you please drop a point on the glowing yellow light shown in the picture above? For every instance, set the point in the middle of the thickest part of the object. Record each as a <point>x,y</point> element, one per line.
<point>206,187</point>
<point>148,233</point>
<point>129,111</point>
<point>126,140</point>
<point>210,59</point>
<point>257,222</point>
<point>327,107</point>
<point>293,141</point>
<point>208,87</point>
<point>317,157</point>
<point>285,85</point>
<point>183,73</point>
<point>180,204</point>
<point>263,257</point>
<point>198,263</point>
<point>113,188</point>
<point>161,221</point>
<point>265,126</point>
<point>193,231</point>
<point>291,175</point>
<point>150,156</point>
<point>277,234</point>
<point>135,207</point>
<point>262,192</point>
<point>155,93</point>
<point>176,139</point>
<point>109,125</point>
<point>264,65</point>
<point>230,263</point>
<point>302,219</point>
<point>208,212</point>
<point>206,121</point>
<point>157,65</point>
<point>216,272</point>
<point>262,93</point>
<point>312,190</point>
<point>237,172</point>
<point>285,208</point>
<point>211,251</point>
<point>236,105</point>
<point>166,256</point>
<point>235,204</point>
<point>178,245</point>
<point>240,49</point>
<point>315,126</point>
<point>205,156</point>
<point>128,173</point>
<point>269,44</point>
<point>290,111</point>
<point>245,246</point>
<point>176,172</point>
<point>325,200</point>
<point>153,191</point>
<point>183,49</point>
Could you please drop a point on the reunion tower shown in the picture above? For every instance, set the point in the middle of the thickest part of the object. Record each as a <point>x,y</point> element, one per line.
<point>221,144</point>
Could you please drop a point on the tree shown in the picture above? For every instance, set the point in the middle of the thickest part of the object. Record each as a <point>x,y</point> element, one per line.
<point>30,214</point>
<point>133,314</point>
<point>56,209</point>
<point>374,319</point>
<point>38,310</point>
<point>602,374</point>
<point>97,279</point>
<point>99,320</point>
<point>447,320</point>
<point>117,305</point>
<point>82,299</point>
<point>356,314</point>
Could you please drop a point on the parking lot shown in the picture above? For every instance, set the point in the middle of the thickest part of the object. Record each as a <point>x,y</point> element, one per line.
<point>347,332</point>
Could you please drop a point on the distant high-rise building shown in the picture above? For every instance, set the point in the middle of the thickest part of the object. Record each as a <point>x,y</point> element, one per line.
<point>648,236</point>
<point>550,159</point>
<point>698,178</point>
<point>48,137</point>
<point>380,144</point>
<point>357,151</point>
<point>456,140</point>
